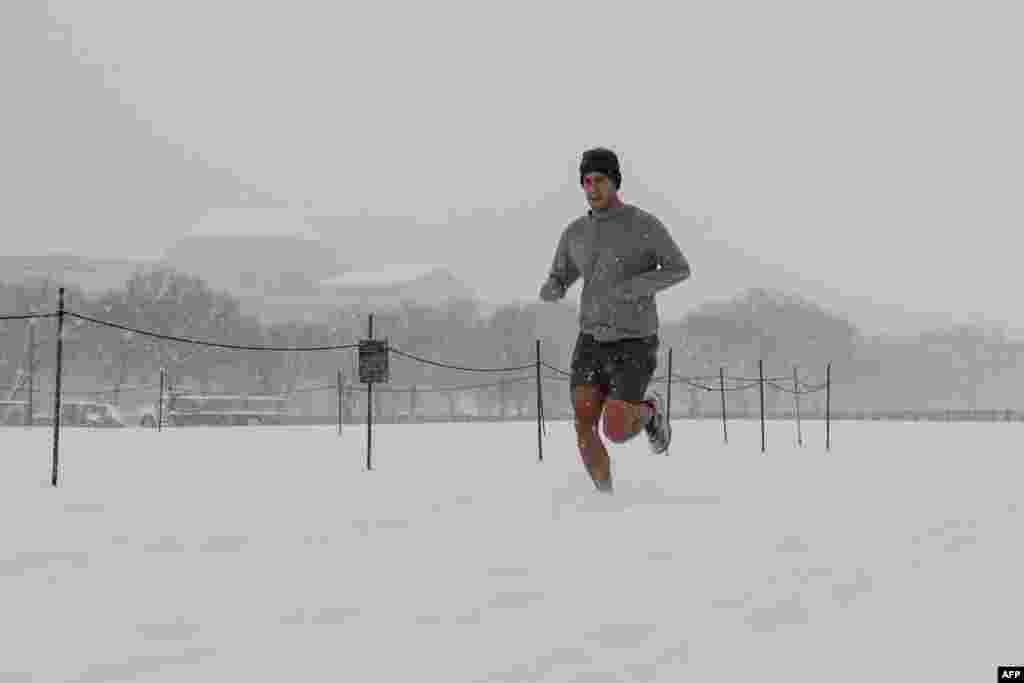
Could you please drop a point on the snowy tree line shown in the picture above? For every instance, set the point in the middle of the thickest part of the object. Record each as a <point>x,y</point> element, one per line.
<point>963,367</point>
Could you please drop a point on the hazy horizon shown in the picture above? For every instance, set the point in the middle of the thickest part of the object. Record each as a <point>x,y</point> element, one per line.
<point>870,152</point>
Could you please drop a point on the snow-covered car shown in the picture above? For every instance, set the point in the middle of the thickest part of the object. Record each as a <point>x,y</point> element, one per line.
<point>83,414</point>
<point>13,412</point>
<point>217,409</point>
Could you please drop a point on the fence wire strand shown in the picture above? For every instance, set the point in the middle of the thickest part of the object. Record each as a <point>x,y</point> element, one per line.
<point>788,390</point>
<point>219,345</point>
<point>28,316</point>
<point>457,367</point>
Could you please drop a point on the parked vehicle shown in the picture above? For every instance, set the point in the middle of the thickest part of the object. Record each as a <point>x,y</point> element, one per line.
<point>13,413</point>
<point>83,414</point>
<point>217,409</point>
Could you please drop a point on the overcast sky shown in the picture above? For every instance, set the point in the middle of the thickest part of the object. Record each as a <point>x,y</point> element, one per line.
<point>873,145</point>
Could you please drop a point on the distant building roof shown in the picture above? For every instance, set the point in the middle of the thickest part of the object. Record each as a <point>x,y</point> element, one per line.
<point>253,222</point>
<point>385,276</point>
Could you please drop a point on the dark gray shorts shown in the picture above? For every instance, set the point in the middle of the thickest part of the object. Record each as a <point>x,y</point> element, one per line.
<point>623,368</point>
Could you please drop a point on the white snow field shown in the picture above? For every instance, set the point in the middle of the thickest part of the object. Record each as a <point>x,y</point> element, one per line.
<point>271,554</point>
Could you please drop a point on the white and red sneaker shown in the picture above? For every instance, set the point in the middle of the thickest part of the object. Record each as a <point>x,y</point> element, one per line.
<point>659,431</point>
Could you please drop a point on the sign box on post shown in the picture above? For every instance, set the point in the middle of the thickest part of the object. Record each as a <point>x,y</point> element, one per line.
<point>373,361</point>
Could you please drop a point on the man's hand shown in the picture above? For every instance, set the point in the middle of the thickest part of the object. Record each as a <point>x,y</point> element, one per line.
<point>552,290</point>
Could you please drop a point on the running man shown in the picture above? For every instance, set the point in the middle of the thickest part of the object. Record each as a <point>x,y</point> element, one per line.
<point>625,256</point>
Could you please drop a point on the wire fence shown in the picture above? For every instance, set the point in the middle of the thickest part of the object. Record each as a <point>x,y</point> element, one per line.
<point>694,381</point>
<point>165,392</point>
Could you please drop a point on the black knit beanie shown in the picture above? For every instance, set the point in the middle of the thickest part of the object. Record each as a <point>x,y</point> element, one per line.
<point>601,160</point>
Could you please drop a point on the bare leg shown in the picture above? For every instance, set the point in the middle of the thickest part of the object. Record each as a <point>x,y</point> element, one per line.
<point>588,402</point>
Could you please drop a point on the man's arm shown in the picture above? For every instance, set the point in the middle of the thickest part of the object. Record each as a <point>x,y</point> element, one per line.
<point>671,266</point>
<point>563,272</point>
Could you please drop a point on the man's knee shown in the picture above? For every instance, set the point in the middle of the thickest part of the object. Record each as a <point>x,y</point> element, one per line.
<point>587,403</point>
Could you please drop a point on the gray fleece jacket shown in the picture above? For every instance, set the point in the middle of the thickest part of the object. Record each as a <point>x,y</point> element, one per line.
<point>625,256</point>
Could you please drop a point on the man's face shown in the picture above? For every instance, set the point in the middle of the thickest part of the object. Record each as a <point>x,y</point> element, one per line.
<point>598,189</point>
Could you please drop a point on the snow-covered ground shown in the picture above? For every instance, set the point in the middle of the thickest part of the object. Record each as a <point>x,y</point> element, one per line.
<point>271,554</point>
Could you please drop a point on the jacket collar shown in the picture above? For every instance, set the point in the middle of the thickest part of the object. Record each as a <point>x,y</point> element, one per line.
<point>605,214</point>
